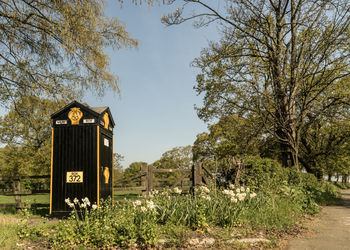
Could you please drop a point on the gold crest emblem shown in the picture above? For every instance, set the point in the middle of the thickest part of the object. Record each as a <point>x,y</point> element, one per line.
<point>75,115</point>
<point>106,175</point>
<point>106,120</point>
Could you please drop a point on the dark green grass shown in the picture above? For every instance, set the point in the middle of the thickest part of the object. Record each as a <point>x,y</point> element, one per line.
<point>28,199</point>
<point>129,195</point>
<point>45,198</point>
<point>7,202</point>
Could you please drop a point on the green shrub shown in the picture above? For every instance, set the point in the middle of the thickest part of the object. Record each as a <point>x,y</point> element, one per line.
<point>263,174</point>
<point>304,189</point>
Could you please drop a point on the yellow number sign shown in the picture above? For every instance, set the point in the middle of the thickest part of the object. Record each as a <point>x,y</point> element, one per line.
<point>74,177</point>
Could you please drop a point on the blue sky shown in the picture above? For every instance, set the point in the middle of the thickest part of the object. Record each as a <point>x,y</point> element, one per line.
<point>155,111</point>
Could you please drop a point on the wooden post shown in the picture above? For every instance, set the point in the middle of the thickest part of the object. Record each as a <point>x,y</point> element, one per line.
<point>197,175</point>
<point>144,184</point>
<point>150,178</point>
<point>16,190</point>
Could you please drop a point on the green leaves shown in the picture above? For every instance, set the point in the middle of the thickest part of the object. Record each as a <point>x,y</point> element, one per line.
<point>277,62</point>
<point>26,132</point>
<point>53,48</point>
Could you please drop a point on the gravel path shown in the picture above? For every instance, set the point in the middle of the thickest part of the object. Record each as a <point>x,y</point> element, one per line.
<point>332,232</point>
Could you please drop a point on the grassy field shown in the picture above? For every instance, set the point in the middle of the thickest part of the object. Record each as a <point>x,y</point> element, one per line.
<point>30,199</point>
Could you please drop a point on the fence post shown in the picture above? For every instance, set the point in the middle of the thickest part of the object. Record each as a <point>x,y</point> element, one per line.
<point>197,175</point>
<point>150,178</point>
<point>144,183</point>
<point>17,189</point>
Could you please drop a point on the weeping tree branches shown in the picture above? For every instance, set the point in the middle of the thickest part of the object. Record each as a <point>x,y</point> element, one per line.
<point>51,48</point>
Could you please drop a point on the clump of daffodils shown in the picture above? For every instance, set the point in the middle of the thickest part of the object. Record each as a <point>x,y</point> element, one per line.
<point>204,189</point>
<point>238,193</point>
<point>148,206</point>
<point>203,192</point>
<point>77,204</point>
<point>136,203</point>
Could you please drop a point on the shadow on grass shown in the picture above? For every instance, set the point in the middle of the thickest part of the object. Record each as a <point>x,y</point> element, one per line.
<point>35,209</point>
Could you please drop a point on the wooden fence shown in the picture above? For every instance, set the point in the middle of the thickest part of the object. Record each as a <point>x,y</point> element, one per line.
<point>17,191</point>
<point>184,178</point>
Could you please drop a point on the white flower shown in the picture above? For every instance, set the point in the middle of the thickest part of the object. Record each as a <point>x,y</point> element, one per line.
<point>247,190</point>
<point>231,186</point>
<point>206,197</point>
<point>69,203</point>
<point>238,190</point>
<point>143,209</point>
<point>75,200</point>
<point>150,205</point>
<point>228,192</point>
<point>83,205</point>
<point>136,203</point>
<point>241,196</point>
<point>177,190</point>
<point>225,191</point>
<point>252,195</point>
<point>204,189</point>
<point>242,189</point>
<point>94,207</point>
<point>234,200</point>
<point>86,201</point>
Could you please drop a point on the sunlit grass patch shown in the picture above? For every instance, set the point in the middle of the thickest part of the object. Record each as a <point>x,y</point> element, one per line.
<point>8,231</point>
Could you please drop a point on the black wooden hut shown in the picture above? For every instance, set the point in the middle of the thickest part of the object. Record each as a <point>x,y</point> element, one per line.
<point>81,156</point>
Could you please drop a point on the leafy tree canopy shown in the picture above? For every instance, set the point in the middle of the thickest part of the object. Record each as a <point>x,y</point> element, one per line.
<point>283,62</point>
<point>26,131</point>
<point>178,157</point>
<point>50,48</point>
<point>133,170</point>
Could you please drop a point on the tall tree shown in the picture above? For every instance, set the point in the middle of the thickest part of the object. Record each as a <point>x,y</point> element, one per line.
<point>49,48</point>
<point>133,170</point>
<point>26,132</point>
<point>227,144</point>
<point>324,146</point>
<point>279,60</point>
<point>176,158</point>
<point>231,136</point>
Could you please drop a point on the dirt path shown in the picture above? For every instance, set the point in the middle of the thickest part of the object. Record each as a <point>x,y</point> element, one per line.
<point>331,232</point>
